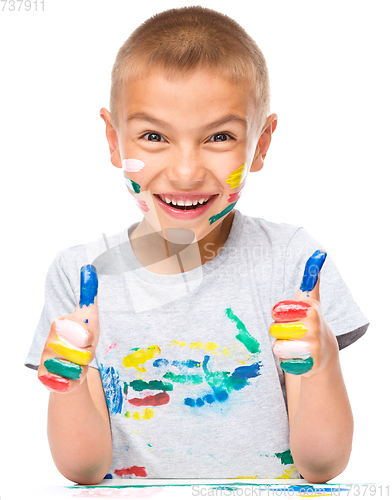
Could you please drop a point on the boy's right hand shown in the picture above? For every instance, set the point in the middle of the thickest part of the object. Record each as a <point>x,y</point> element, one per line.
<point>72,340</point>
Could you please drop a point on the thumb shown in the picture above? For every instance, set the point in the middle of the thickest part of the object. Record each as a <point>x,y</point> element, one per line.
<point>310,286</point>
<point>87,309</point>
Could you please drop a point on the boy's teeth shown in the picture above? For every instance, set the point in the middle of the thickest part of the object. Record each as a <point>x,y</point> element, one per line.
<point>182,203</point>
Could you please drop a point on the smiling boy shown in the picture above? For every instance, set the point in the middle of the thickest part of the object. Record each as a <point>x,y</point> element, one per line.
<point>185,380</point>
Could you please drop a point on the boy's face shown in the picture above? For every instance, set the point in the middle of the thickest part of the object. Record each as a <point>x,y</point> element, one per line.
<point>194,138</point>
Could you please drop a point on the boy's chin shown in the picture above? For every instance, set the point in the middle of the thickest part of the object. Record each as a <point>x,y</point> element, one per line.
<point>183,232</point>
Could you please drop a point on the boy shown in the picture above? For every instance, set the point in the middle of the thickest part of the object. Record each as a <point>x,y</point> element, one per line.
<point>172,372</point>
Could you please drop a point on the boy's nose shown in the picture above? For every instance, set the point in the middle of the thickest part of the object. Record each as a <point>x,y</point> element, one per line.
<point>186,167</point>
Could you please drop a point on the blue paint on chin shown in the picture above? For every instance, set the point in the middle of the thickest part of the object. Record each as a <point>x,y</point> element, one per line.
<point>88,285</point>
<point>312,270</point>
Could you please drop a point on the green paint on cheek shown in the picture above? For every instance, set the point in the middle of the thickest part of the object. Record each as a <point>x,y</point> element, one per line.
<point>221,214</point>
<point>63,368</point>
<point>244,336</point>
<point>133,186</point>
<point>286,458</point>
<point>183,379</point>
<point>296,366</point>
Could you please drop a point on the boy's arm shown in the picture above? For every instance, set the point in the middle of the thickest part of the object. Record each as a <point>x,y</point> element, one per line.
<point>79,431</point>
<point>320,417</point>
<point>321,422</point>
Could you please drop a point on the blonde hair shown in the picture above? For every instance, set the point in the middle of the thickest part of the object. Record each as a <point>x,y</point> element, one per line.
<point>179,41</point>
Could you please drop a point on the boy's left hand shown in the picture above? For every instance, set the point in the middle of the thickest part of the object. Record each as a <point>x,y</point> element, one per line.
<point>305,343</point>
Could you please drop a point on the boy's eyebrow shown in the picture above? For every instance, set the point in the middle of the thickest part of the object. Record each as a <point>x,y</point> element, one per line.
<point>160,123</point>
<point>147,118</point>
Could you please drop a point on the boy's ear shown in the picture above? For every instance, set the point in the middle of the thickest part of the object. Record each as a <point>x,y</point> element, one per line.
<point>111,135</point>
<point>264,142</point>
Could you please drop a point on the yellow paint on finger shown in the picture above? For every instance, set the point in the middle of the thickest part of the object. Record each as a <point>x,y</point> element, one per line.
<point>78,356</point>
<point>287,331</point>
<point>236,177</point>
<point>139,357</point>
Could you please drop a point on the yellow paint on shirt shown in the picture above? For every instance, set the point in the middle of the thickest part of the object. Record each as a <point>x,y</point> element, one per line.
<point>244,477</point>
<point>291,473</point>
<point>208,346</point>
<point>288,331</point>
<point>195,345</point>
<point>147,413</point>
<point>139,357</point>
<point>236,177</point>
<point>78,356</point>
<point>136,415</point>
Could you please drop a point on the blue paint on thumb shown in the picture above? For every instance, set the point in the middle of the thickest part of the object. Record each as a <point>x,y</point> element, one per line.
<point>312,270</point>
<point>88,285</point>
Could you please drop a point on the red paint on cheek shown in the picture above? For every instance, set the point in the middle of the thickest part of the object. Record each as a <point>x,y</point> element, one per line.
<point>289,310</point>
<point>58,384</point>
<point>234,196</point>
<point>142,204</point>
<point>136,471</point>
<point>159,399</point>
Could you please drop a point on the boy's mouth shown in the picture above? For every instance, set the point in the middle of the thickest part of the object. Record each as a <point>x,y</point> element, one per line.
<point>185,207</point>
<point>185,202</point>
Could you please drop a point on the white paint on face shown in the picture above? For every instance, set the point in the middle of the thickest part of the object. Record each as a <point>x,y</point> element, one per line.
<point>289,349</point>
<point>131,165</point>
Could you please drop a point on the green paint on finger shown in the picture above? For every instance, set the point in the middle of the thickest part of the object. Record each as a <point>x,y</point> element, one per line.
<point>296,366</point>
<point>63,368</point>
<point>244,336</point>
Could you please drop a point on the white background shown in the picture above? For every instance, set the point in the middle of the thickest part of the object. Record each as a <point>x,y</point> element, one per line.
<point>328,169</point>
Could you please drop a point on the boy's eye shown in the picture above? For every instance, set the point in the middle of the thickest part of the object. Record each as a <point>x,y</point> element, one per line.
<point>153,137</point>
<point>220,137</point>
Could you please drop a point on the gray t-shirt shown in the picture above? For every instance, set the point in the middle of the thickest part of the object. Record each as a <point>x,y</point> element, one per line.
<point>191,383</point>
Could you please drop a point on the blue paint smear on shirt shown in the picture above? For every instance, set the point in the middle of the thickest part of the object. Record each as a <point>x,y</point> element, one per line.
<point>112,387</point>
<point>247,371</point>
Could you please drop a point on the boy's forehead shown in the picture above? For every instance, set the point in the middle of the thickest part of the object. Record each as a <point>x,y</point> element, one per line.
<point>205,88</point>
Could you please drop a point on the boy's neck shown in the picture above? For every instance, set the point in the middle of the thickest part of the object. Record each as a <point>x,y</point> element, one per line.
<point>161,256</point>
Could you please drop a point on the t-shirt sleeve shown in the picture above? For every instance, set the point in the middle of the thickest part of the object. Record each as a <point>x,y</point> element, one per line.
<point>339,307</point>
<point>60,300</point>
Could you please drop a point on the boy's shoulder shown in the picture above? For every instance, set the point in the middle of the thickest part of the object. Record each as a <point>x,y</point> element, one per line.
<point>263,231</point>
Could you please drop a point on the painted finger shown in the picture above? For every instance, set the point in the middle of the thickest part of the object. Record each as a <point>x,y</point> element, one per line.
<point>88,287</point>
<point>289,349</point>
<point>55,383</point>
<point>287,331</point>
<point>311,273</point>
<point>296,366</point>
<point>63,368</point>
<point>290,310</point>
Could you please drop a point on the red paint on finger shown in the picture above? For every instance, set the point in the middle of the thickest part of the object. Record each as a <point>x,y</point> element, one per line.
<point>289,310</point>
<point>136,471</point>
<point>162,398</point>
<point>58,384</point>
